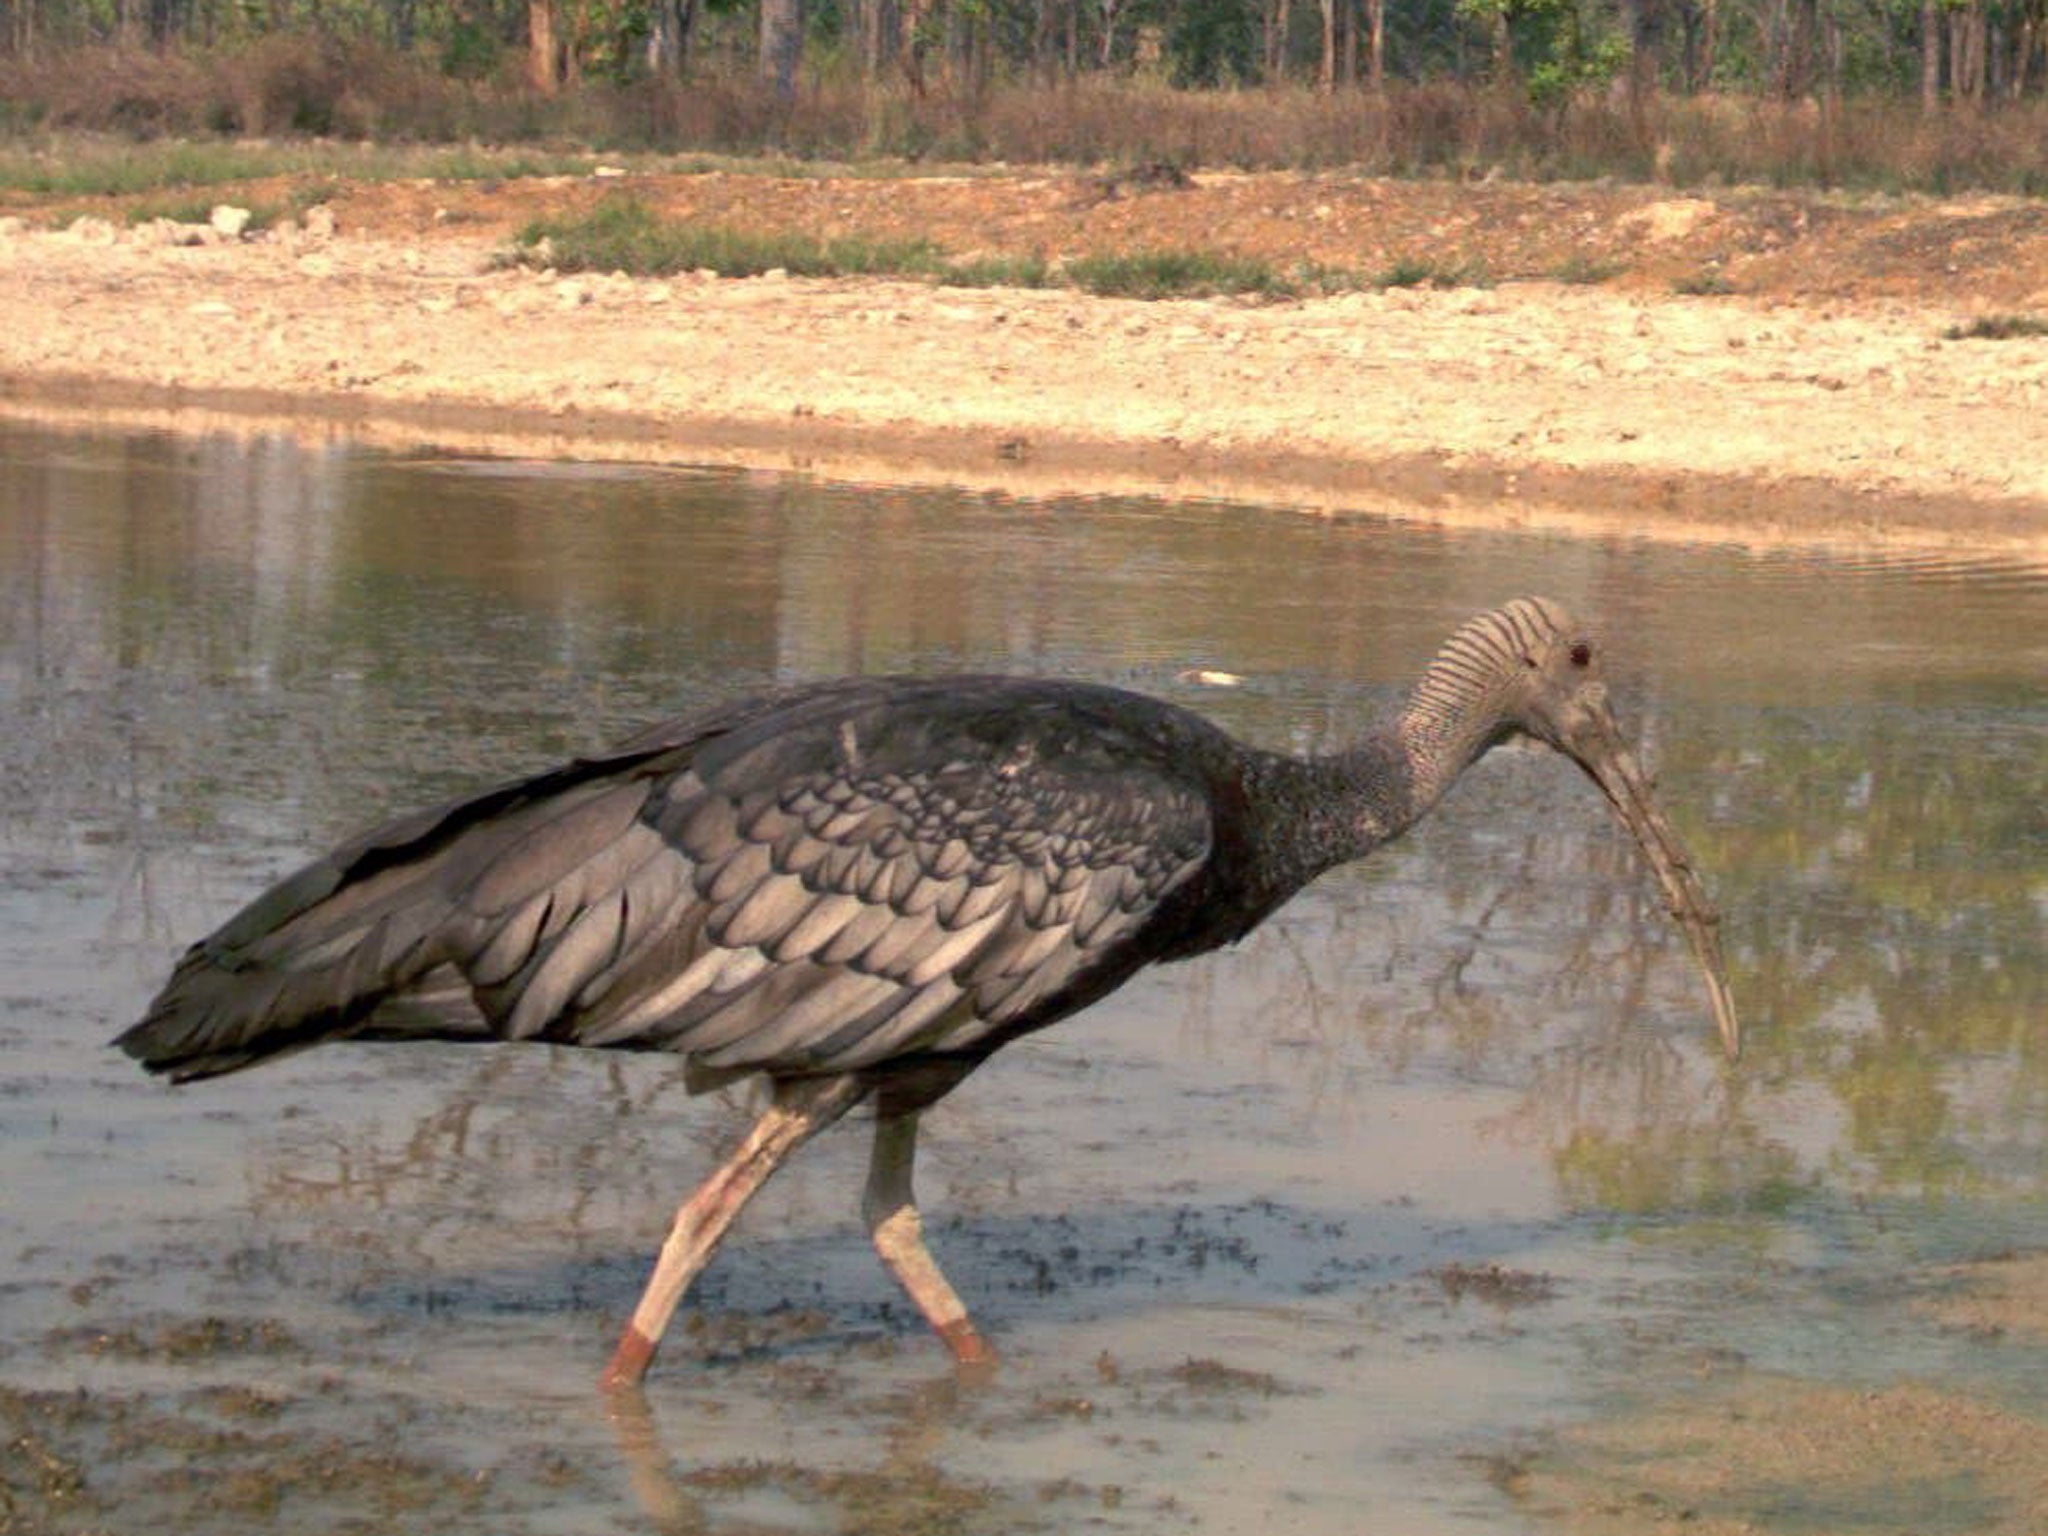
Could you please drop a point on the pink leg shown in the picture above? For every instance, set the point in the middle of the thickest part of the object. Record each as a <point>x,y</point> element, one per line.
<point>898,1231</point>
<point>800,1110</point>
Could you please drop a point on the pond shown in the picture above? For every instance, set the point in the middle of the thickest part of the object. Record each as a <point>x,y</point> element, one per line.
<point>1429,1208</point>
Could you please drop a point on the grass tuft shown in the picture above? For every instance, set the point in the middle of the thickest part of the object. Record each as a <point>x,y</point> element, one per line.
<point>1586,271</point>
<point>199,210</point>
<point>1998,328</point>
<point>1704,284</point>
<point>1032,271</point>
<point>1429,272</point>
<point>1176,274</point>
<point>625,235</point>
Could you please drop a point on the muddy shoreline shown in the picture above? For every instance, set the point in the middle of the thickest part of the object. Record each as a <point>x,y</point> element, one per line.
<point>1769,418</point>
<point>1812,513</point>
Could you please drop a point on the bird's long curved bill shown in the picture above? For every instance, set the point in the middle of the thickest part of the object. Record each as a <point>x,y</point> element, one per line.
<point>1614,768</point>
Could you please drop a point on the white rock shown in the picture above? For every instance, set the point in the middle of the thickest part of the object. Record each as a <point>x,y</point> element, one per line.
<point>228,221</point>
<point>169,232</point>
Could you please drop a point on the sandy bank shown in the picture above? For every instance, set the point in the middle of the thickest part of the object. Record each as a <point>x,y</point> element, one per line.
<point>1844,422</point>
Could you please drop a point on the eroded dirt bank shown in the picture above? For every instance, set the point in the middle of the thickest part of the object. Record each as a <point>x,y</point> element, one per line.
<point>1818,402</point>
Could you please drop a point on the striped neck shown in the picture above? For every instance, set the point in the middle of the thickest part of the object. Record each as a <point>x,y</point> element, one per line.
<point>1463,706</point>
<point>1313,813</point>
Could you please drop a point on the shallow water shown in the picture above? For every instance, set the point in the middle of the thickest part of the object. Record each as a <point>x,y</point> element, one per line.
<point>1330,1232</point>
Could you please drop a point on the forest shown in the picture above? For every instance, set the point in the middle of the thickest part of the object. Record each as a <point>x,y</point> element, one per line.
<point>1979,52</point>
<point>1933,95</point>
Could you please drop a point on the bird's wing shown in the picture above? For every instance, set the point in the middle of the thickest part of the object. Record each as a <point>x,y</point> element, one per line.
<point>817,881</point>
<point>823,890</point>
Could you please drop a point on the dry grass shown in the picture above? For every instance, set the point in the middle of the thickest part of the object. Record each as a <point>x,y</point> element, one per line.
<point>298,85</point>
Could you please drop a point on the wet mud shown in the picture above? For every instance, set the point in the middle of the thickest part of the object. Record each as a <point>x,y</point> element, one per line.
<point>1768,1454</point>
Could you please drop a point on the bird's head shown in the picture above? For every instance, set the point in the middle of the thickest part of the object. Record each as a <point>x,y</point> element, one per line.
<point>1529,668</point>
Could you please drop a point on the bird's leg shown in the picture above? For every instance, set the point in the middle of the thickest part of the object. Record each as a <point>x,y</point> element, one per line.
<point>891,1211</point>
<point>799,1111</point>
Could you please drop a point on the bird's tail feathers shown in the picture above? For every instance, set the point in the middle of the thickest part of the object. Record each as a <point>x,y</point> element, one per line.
<point>318,974</point>
<point>374,922</point>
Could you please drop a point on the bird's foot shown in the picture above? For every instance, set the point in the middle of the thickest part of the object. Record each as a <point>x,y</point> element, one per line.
<point>971,1352</point>
<point>629,1361</point>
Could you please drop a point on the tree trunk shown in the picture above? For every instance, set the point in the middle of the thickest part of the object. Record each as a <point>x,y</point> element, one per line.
<point>1930,56</point>
<point>1326,74</point>
<point>1376,49</point>
<point>782,42</point>
<point>2030,41</point>
<point>668,37</point>
<point>1639,81</point>
<point>1799,48</point>
<point>1277,15</point>
<point>873,34</point>
<point>543,71</point>
<point>1966,52</point>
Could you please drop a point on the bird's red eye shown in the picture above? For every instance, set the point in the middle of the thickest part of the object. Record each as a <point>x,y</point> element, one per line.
<point>1582,654</point>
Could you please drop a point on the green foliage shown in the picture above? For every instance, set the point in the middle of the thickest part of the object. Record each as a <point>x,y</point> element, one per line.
<point>1585,270</point>
<point>1571,68</point>
<point>1032,271</point>
<point>1431,272</point>
<point>1212,42</point>
<point>624,235</point>
<point>471,50</point>
<point>96,168</point>
<point>1175,274</point>
<point>89,166</point>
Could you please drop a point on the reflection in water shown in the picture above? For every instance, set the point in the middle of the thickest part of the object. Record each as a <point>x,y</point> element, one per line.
<point>648,1469</point>
<point>219,657</point>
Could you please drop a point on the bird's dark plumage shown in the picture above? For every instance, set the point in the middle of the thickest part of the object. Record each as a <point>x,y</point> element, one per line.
<point>862,888</point>
<point>824,880</point>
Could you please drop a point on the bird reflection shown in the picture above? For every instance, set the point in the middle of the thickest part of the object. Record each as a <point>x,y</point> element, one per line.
<point>913,1424</point>
<point>650,1471</point>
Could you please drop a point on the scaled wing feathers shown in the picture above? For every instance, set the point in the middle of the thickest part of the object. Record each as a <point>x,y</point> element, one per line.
<point>817,883</point>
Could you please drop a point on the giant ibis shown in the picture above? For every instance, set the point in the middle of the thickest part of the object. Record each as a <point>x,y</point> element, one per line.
<point>861,889</point>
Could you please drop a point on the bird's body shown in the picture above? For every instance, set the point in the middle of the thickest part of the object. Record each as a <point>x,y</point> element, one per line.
<point>866,875</point>
<point>860,888</point>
